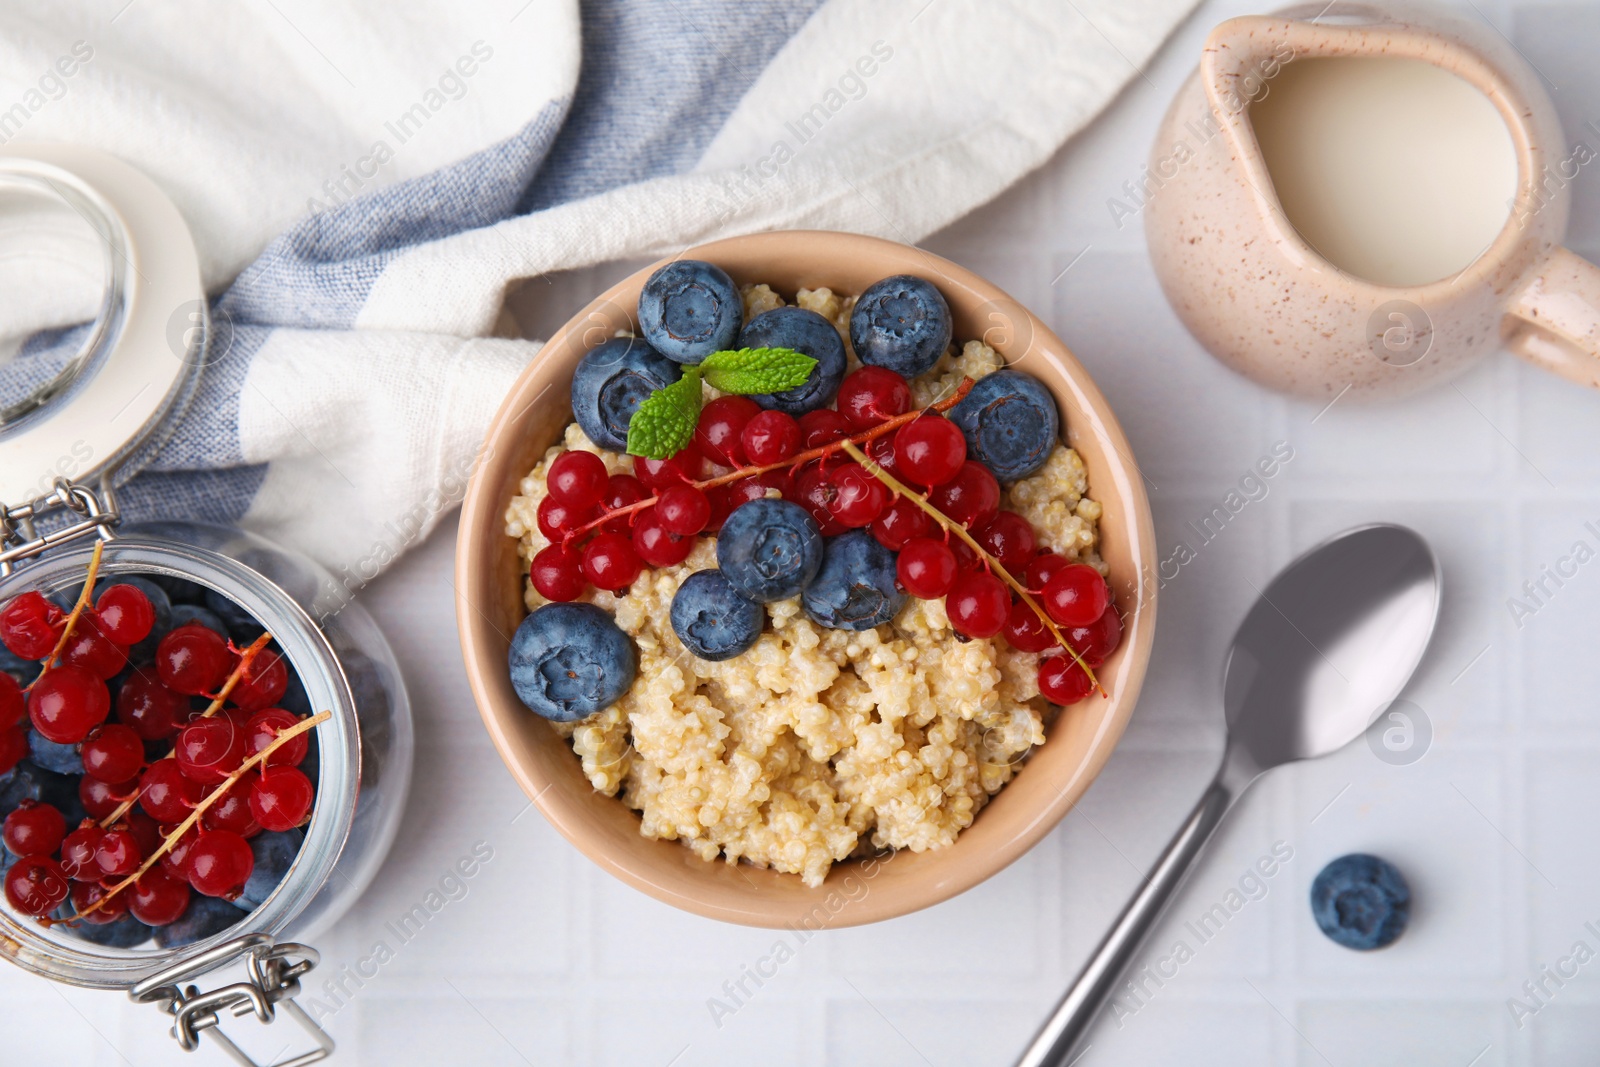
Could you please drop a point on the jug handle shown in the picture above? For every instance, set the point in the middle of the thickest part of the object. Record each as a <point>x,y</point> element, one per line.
<point>1554,321</point>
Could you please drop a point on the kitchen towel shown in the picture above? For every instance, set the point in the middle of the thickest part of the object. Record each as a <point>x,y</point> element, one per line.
<point>366,182</point>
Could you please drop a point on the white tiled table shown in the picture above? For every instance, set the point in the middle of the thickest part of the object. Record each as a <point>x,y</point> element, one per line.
<point>548,961</point>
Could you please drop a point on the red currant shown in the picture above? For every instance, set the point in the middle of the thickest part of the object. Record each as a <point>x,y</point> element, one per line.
<point>220,864</point>
<point>30,625</point>
<point>35,885</point>
<point>158,899</point>
<point>622,490</point>
<point>194,660</point>
<point>556,573</point>
<point>1008,537</point>
<point>926,568</point>
<point>66,703</point>
<point>13,747</point>
<point>683,509</point>
<point>872,395</point>
<point>261,684</point>
<point>1099,639</point>
<point>112,753</point>
<point>143,828</point>
<point>175,861</point>
<point>930,450</point>
<point>117,854</point>
<point>977,604</point>
<point>86,895</point>
<point>78,851</point>
<point>166,793</point>
<point>1062,680</point>
<point>815,491</point>
<point>901,522</point>
<point>882,451</point>
<point>556,519</point>
<point>656,545</point>
<point>755,487</point>
<point>153,711</point>
<point>208,750</point>
<point>966,558</point>
<point>231,811</point>
<point>770,437</point>
<point>93,651</point>
<point>687,465</point>
<point>971,498</point>
<point>13,704</point>
<point>722,423</point>
<point>609,562</point>
<point>125,615</point>
<point>264,727</point>
<point>34,829</point>
<point>1026,631</point>
<point>282,798</point>
<point>1041,568</point>
<point>720,497</point>
<point>822,427</point>
<point>577,479</point>
<point>858,497</point>
<point>100,798</point>
<point>1076,595</point>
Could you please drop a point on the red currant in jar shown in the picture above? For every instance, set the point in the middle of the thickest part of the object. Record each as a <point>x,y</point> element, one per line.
<point>930,450</point>
<point>263,729</point>
<point>153,711</point>
<point>231,811</point>
<point>1099,639</point>
<point>822,427</point>
<point>143,828</point>
<point>175,861</point>
<point>977,604</point>
<point>158,899</point>
<point>220,864</point>
<point>1062,680</point>
<point>687,465</point>
<point>194,660</point>
<point>94,652</point>
<point>78,851</point>
<point>1041,568</point>
<point>901,522</point>
<point>609,562</point>
<point>117,854</point>
<point>1026,631</point>
<point>858,497</point>
<point>112,753</point>
<point>34,829</point>
<point>281,800</point>
<point>66,703</point>
<point>262,683</point>
<point>35,885</point>
<point>872,395</point>
<point>166,793</point>
<point>13,747</point>
<point>88,895</point>
<point>657,545</point>
<point>770,437</point>
<point>577,479</point>
<point>207,751</point>
<point>621,491</point>
<point>556,519</point>
<point>30,625</point>
<point>926,568</point>
<point>721,428</point>
<point>124,614</point>
<point>100,799</point>
<point>1076,595</point>
<point>1008,537</point>
<point>557,573</point>
<point>971,498</point>
<point>683,509</point>
<point>13,704</point>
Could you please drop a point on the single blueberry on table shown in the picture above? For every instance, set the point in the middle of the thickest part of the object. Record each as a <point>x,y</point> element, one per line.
<point>1010,423</point>
<point>569,661</point>
<point>274,852</point>
<point>769,549</point>
<point>62,759</point>
<point>712,620</point>
<point>206,916</point>
<point>610,384</point>
<point>901,324</point>
<point>809,334</point>
<point>1361,902</point>
<point>690,309</point>
<point>855,589</point>
<point>126,932</point>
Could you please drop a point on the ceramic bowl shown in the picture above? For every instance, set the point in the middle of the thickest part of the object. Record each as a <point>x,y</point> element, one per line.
<point>489,606</point>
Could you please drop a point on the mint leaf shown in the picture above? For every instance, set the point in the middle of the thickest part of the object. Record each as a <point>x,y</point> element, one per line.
<point>757,370</point>
<point>665,422</point>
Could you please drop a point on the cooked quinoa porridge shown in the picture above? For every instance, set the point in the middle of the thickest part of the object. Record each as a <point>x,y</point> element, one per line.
<point>817,744</point>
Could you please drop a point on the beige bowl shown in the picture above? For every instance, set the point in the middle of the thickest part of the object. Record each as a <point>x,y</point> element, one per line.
<point>489,605</point>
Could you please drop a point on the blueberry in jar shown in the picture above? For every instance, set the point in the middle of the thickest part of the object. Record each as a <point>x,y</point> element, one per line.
<point>769,549</point>
<point>712,620</point>
<point>1361,902</point>
<point>123,932</point>
<point>901,323</point>
<point>690,309</point>
<point>809,334</point>
<point>1010,423</point>
<point>205,916</point>
<point>855,589</point>
<point>62,759</point>
<point>610,384</point>
<point>274,853</point>
<point>571,660</point>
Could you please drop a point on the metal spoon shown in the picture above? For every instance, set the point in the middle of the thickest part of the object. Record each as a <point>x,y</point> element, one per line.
<point>1327,646</point>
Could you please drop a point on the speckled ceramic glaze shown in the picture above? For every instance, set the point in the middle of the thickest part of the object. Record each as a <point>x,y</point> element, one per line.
<point>1264,302</point>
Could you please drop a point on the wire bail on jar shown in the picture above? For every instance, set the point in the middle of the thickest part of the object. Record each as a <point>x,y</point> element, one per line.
<point>19,536</point>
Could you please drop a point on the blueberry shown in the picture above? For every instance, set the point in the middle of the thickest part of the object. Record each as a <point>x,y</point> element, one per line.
<point>1361,901</point>
<point>610,384</point>
<point>769,549</point>
<point>126,932</point>
<point>569,661</point>
<point>61,792</point>
<point>206,916</point>
<point>902,324</point>
<point>180,590</point>
<point>855,589</point>
<point>689,309</point>
<point>1010,423</point>
<point>183,614</point>
<point>274,852</point>
<point>22,782</point>
<point>712,620</point>
<point>806,332</point>
<point>62,759</point>
<point>240,624</point>
<point>23,670</point>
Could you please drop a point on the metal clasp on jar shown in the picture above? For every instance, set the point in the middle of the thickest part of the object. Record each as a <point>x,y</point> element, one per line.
<point>19,538</point>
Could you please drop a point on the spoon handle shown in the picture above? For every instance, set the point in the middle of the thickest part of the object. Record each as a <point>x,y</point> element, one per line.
<point>1076,1012</point>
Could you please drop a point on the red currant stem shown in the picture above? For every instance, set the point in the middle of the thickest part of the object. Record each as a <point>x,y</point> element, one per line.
<point>820,452</point>
<point>78,609</point>
<point>950,526</point>
<point>245,657</point>
<point>200,809</point>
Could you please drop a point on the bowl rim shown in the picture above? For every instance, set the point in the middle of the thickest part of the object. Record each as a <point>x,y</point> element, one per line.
<point>484,505</point>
